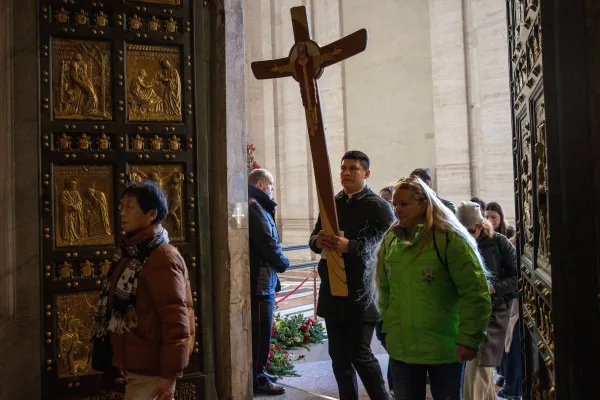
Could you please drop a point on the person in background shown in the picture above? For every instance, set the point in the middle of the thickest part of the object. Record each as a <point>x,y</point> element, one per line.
<point>386,193</point>
<point>510,367</point>
<point>363,218</point>
<point>433,294</point>
<point>495,214</point>
<point>500,258</point>
<point>425,176</point>
<point>482,204</point>
<point>145,309</point>
<point>266,260</point>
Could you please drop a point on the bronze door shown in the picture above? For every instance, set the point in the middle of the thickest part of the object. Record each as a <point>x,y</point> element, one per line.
<point>531,190</point>
<point>118,105</point>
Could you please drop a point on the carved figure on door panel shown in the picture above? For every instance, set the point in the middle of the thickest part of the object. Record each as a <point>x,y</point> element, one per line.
<point>174,196</point>
<point>104,142</point>
<point>143,97</point>
<point>170,178</point>
<point>526,183</point>
<point>154,24</point>
<point>78,87</point>
<point>97,222</point>
<point>154,81</point>
<point>74,317</point>
<point>72,213</point>
<point>81,79</point>
<point>84,210</point>
<point>171,83</point>
<point>540,153</point>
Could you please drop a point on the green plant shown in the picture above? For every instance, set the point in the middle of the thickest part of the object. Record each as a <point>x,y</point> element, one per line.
<point>290,333</point>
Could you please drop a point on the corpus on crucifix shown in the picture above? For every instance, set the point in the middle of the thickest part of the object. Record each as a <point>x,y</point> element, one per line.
<point>305,63</point>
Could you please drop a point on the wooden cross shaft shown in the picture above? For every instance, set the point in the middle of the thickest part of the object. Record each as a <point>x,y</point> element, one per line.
<point>306,63</point>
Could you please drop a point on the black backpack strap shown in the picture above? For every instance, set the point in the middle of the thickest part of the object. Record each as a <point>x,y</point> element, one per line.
<point>444,261</point>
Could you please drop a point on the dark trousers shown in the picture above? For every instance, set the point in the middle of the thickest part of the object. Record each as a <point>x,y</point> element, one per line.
<point>262,326</point>
<point>510,368</point>
<point>350,351</point>
<point>409,380</point>
<point>381,337</point>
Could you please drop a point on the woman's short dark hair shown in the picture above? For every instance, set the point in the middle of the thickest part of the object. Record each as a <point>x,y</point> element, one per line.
<point>150,197</point>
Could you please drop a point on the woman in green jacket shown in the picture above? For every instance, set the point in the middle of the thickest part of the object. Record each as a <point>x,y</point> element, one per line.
<point>433,294</point>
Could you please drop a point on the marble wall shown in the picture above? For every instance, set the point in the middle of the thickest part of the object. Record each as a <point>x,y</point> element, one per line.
<point>471,101</point>
<point>20,361</point>
<point>229,204</point>
<point>488,92</point>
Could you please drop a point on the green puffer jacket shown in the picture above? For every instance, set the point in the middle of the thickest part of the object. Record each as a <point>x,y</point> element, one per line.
<point>428,308</point>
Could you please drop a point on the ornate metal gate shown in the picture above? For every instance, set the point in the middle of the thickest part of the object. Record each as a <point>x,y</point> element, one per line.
<point>531,188</point>
<point>118,105</point>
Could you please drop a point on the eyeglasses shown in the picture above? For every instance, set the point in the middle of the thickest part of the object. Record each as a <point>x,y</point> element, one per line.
<point>127,206</point>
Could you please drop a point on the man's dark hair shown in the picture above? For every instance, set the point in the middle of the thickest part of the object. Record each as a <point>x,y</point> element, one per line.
<point>150,197</point>
<point>361,157</point>
<point>422,173</point>
<point>389,189</point>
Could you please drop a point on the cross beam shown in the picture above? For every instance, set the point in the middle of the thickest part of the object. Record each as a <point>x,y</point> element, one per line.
<point>306,63</point>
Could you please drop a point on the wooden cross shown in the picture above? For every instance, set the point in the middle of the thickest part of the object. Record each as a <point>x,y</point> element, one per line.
<point>305,64</point>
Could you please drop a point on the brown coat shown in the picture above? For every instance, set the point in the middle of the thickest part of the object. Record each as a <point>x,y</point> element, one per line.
<point>162,342</point>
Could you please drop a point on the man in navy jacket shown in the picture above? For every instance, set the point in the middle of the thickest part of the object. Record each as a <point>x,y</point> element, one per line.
<point>266,260</point>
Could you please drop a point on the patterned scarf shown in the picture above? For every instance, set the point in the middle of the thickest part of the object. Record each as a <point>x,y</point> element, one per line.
<point>122,316</point>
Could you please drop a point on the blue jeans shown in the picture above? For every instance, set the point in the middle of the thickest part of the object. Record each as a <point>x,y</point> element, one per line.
<point>409,380</point>
<point>381,337</point>
<point>510,368</point>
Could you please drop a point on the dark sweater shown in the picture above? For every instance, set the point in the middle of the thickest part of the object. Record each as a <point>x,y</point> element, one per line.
<point>363,219</point>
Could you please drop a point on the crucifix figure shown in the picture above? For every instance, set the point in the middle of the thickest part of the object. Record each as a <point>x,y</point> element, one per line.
<point>305,63</point>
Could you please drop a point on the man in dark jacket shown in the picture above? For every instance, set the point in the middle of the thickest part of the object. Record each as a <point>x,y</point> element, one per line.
<point>266,260</point>
<point>363,217</point>
<point>425,176</point>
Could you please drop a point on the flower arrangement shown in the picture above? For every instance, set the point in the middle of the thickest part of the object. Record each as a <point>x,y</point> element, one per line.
<point>290,333</point>
<point>250,157</point>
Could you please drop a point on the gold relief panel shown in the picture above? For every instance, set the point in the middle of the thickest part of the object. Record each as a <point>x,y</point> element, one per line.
<point>74,318</point>
<point>84,212</point>
<point>543,237</point>
<point>81,79</point>
<point>526,183</point>
<point>154,83</point>
<point>171,179</point>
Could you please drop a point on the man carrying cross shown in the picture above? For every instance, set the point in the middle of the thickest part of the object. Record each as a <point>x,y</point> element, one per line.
<point>364,218</point>
<point>363,215</point>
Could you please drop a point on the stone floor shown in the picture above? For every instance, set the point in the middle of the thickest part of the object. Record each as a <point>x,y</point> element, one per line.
<point>317,380</point>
